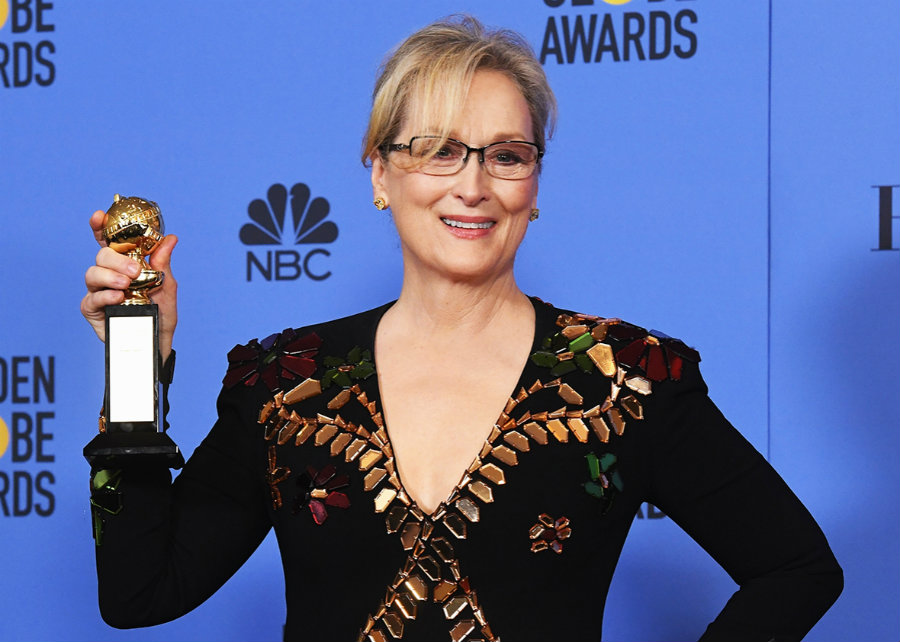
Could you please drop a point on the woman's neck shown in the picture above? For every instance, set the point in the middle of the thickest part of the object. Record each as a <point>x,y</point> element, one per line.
<point>448,307</point>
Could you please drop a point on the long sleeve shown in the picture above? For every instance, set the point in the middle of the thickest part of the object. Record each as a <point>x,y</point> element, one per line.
<point>173,544</point>
<point>723,493</point>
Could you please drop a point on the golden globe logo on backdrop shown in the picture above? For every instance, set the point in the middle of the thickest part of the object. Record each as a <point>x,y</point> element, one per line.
<point>306,227</point>
<point>26,55</point>
<point>643,30</point>
<point>27,391</point>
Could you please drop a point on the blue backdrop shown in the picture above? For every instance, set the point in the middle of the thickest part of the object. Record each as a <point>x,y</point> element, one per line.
<point>724,158</point>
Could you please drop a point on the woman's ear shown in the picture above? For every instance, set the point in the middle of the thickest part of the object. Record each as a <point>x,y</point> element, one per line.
<point>378,170</point>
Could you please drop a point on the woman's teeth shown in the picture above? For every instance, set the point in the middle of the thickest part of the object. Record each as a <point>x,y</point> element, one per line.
<point>468,226</point>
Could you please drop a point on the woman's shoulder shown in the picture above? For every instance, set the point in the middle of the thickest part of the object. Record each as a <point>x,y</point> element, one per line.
<point>570,340</point>
<point>619,372</point>
<point>296,353</point>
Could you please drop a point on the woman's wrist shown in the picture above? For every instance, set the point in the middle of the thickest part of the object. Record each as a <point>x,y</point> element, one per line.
<point>166,366</point>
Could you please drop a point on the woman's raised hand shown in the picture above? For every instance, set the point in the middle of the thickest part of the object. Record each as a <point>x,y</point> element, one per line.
<point>111,275</point>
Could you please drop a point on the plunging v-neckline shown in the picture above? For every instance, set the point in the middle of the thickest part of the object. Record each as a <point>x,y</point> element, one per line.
<point>395,472</point>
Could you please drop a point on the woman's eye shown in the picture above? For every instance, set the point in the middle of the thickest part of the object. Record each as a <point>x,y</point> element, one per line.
<point>447,154</point>
<point>505,157</point>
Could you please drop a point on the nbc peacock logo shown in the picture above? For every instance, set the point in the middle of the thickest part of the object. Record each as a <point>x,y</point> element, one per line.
<point>270,225</point>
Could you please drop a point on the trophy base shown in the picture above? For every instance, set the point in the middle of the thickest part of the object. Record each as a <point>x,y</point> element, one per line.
<point>129,449</point>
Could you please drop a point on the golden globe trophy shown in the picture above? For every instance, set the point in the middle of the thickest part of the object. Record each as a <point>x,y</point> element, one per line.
<point>131,433</point>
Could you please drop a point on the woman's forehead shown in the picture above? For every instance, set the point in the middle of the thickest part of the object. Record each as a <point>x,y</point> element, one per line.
<point>490,104</point>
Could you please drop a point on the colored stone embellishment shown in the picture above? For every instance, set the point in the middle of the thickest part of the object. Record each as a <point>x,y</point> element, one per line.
<point>658,355</point>
<point>306,389</point>
<point>578,346</point>
<point>275,474</point>
<point>605,480</point>
<point>321,489</point>
<point>106,499</point>
<point>549,534</point>
<point>279,356</point>
<point>344,372</point>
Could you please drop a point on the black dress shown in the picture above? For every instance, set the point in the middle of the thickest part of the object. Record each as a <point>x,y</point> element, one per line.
<point>604,417</point>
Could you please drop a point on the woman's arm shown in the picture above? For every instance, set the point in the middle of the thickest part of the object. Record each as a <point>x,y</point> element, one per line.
<point>171,546</point>
<point>163,548</point>
<point>724,494</point>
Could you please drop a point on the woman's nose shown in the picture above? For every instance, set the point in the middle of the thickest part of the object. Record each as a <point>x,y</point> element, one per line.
<point>472,180</point>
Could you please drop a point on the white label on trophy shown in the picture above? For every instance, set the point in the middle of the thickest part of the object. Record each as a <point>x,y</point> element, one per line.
<point>131,394</point>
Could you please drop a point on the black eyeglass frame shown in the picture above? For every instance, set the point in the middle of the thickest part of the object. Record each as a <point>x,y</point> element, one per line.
<point>399,147</point>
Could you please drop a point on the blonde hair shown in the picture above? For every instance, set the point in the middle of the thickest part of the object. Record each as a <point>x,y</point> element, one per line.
<point>433,68</point>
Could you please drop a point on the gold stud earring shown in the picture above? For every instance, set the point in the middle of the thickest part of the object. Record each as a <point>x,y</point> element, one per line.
<point>535,212</point>
<point>379,203</point>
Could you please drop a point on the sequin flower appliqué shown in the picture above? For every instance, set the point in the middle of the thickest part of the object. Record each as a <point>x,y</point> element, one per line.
<point>549,534</point>
<point>279,356</point>
<point>321,489</point>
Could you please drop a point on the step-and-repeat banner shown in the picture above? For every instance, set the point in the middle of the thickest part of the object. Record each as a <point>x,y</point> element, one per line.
<point>726,172</point>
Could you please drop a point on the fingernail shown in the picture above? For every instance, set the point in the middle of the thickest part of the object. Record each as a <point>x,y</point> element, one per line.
<point>134,269</point>
<point>123,281</point>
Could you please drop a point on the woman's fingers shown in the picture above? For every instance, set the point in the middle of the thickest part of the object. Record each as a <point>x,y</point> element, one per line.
<point>113,272</point>
<point>161,259</point>
<point>93,303</point>
<point>96,223</point>
<point>109,259</point>
<point>104,284</point>
<point>93,308</point>
<point>99,278</point>
<point>166,296</point>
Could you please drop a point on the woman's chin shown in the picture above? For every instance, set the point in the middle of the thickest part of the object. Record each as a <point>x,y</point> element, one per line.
<point>474,272</point>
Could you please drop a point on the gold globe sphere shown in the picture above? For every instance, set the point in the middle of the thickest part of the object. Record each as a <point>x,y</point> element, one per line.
<point>134,226</point>
<point>133,223</point>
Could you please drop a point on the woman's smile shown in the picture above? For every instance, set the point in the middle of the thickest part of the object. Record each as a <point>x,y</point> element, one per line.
<point>468,227</point>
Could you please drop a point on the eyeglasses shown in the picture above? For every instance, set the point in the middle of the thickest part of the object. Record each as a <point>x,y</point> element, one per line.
<point>509,159</point>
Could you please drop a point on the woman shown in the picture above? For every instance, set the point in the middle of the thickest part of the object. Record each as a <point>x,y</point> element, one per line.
<point>481,480</point>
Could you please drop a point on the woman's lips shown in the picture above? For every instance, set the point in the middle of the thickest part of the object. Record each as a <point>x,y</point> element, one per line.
<point>468,224</point>
<point>468,227</point>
